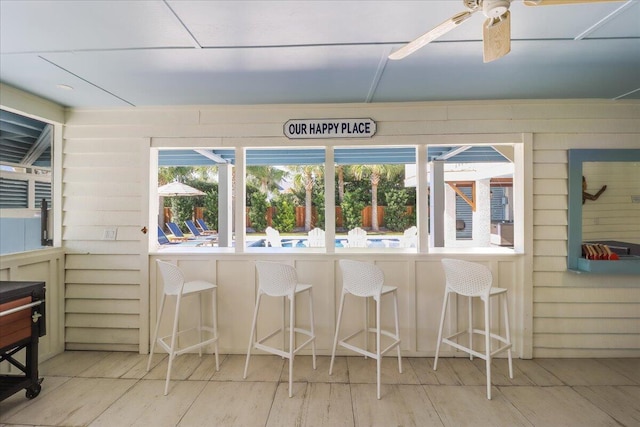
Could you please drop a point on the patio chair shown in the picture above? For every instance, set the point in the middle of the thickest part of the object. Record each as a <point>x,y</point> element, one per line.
<point>175,230</point>
<point>204,228</point>
<point>357,238</point>
<point>315,238</point>
<point>176,286</point>
<point>273,237</point>
<point>280,280</point>
<point>163,239</point>
<point>474,280</point>
<point>202,231</point>
<point>366,280</point>
<point>409,238</point>
<point>197,233</point>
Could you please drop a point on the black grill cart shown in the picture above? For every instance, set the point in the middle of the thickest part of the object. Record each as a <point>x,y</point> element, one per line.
<point>22,323</point>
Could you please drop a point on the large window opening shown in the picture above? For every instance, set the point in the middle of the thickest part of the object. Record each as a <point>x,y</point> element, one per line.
<point>465,196</point>
<point>285,197</point>
<point>25,183</point>
<point>195,198</point>
<point>470,201</point>
<point>374,206</point>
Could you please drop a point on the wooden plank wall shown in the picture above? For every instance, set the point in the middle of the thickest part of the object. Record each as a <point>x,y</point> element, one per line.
<point>576,315</point>
<point>103,187</point>
<point>106,290</point>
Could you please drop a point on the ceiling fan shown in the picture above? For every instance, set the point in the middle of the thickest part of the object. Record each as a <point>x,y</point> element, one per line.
<point>496,31</point>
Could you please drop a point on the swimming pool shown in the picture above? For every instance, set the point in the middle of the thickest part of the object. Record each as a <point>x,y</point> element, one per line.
<point>301,242</point>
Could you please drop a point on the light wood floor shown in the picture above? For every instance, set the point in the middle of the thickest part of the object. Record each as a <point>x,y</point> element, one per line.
<point>113,389</point>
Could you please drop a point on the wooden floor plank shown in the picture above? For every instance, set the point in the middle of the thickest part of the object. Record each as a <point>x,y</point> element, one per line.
<point>556,406</point>
<point>622,403</point>
<point>113,388</point>
<point>469,406</point>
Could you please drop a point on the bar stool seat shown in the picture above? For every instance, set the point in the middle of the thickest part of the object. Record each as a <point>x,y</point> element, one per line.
<point>363,279</point>
<point>474,280</point>
<point>280,280</point>
<point>175,286</point>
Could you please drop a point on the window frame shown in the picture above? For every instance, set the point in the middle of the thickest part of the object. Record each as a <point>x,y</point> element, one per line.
<point>522,180</point>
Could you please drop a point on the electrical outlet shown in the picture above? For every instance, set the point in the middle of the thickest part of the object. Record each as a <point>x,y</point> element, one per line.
<point>109,234</point>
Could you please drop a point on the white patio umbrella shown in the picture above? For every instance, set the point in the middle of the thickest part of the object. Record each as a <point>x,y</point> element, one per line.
<point>177,189</point>
<point>174,189</point>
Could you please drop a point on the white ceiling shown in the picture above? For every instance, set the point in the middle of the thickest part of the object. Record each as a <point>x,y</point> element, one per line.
<point>141,53</point>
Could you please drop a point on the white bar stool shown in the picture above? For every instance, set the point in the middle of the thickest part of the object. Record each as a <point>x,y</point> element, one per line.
<point>474,280</point>
<point>280,280</point>
<point>363,279</point>
<point>174,285</point>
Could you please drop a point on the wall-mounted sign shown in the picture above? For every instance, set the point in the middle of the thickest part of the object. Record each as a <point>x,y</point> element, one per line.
<point>329,128</point>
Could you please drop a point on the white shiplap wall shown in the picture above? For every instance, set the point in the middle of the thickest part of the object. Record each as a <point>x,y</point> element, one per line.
<point>105,185</point>
<point>576,315</point>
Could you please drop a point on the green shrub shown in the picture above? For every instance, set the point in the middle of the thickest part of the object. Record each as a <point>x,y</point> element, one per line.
<point>258,211</point>
<point>284,217</point>
<point>395,216</point>
<point>352,211</point>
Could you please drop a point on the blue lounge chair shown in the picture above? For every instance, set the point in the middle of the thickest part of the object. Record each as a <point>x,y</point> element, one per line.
<point>163,239</point>
<point>203,226</point>
<point>196,232</point>
<point>198,235</point>
<point>175,230</point>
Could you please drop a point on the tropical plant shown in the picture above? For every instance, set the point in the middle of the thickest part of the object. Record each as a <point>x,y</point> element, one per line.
<point>266,178</point>
<point>318,202</point>
<point>258,211</point>
<point>396,216</point>
<point>352,210</point>
<point>284,218</point>
<point>307,176</point>
<point>340,180</point>
<point>374,173</point>
<point>210,205</point>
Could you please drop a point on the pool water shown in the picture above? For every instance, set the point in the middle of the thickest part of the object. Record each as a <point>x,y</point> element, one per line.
<point>340,243</point>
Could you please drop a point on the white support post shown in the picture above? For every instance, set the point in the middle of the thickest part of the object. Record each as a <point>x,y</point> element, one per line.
<point>225,205</point>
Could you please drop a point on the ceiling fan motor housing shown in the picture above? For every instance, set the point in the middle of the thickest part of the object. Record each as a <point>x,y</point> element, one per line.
<point>495,8</point>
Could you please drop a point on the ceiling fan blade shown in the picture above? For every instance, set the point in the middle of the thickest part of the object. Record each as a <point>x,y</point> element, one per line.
<point>496,37</point>
<point>556,2</point>
<point>429,36</point>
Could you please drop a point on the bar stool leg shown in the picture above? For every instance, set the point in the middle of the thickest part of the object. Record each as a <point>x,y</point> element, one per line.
<point>284,323</point>
<point>366,324</point>
<point>470,301</point>
<point>252,335</point>
<point>172,349</point>
<point>507,332</point>
<point>292,327</point>
<point>313,331</point>
<point>200,314</point>
<point>378,355</point>
<point>214,322</point>
<point>442,316</point>
<point>395,305</point>
<point>335,339</point>
<point>155,334</point>
<point>487,341</point>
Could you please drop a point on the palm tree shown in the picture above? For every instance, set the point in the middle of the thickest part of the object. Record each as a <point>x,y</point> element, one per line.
<point>306,177</point>
<point>340,172</point>
<point>267,178</point>
<point>374,173</point>
<point>173,173</point>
